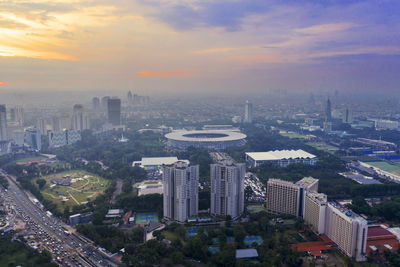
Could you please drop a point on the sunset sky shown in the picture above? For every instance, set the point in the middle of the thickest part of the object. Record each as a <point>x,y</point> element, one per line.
<point>200,45</point>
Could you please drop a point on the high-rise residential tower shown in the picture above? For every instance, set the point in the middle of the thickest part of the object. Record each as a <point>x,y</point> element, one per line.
<point>227,188</point>
<point>96,103</point>
<point>248,112</point>
<point>180,182</point>
<point>114,111</point>
<point>80,121</point>
<point>3,123</point>
<point>348,116</point>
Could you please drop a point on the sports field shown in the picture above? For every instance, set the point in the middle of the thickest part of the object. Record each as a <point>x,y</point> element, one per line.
<point>143,217</point>
<point>254,208</point>
<point>250,239</point>
<point>84,186</point>
<point>323,146</point>
<point>385,166</point>
<point>292,135</point>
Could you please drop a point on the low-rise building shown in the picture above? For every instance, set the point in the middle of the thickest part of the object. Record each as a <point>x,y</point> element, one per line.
<point>281,157</point>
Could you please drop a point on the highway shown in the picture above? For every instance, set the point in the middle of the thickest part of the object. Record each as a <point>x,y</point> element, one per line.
<point>49,232</point>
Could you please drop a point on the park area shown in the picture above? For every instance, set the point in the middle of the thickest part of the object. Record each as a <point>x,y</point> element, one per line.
<point>71,188</point>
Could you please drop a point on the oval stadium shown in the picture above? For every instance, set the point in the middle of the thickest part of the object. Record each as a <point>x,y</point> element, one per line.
<point>212,140</point>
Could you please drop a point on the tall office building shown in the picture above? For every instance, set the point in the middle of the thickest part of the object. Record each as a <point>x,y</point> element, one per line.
<point>95,103</point>
<point>328,111</point>
<point>180,186</point>
<point>248,112</point>
<point>347,229</point>
<point>114,111</point>
<point>80,120</point>
<point>3,123</point>
<point>33,139</point>
<point>227,188</point>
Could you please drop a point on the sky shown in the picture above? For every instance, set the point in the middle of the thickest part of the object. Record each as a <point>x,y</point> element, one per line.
<point>200,46</point>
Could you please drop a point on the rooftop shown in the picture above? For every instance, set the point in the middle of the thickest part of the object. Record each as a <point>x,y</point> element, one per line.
<point>246,253</point>
<point>205,135</point>
<point>379,232</point>
<point>280,154</point>
<point>307,181</point>
<point>158,161</point>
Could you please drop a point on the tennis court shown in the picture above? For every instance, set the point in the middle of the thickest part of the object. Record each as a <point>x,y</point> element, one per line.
<point>213,250</point>
<point>192,232</point>
<point>143,217</point>
<point>249,240</point>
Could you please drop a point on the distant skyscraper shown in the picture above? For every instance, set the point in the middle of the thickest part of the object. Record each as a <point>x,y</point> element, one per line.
<point>227,188</point>
<point>348,116</point>
<point>80,120</point>
<point>130,97</point>
<point>3,123</point>
<point>248,112</point>
<point>42,126</point>
<point>104,101</point>
<point>96,103</point>
<point>180,182</point>
<point>33,139</point>
<point>61,122</point>
<point>114,111</point>
<point>328,111</point>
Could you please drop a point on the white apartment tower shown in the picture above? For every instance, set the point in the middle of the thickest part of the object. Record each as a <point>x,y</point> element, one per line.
<point>348,230</point>
<point>180,182</point>
<point>248,112</point>
<point>3,123</point>
<point>227,188</point>
<point>283,197</point>
<point>315,211</point>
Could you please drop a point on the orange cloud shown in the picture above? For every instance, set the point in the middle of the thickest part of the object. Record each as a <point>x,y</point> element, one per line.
<point>2,83</point>
<point>164,74</point>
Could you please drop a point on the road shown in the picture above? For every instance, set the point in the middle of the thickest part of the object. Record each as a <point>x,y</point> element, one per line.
<point>49,232</point>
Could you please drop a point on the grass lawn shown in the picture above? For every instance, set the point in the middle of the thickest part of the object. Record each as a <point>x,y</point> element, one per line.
<point>385,166</point>
<point>255,208</point>
<point>84,186</point>
<point>170,235</point>
<point>323,146</point>
<point>292,135</point>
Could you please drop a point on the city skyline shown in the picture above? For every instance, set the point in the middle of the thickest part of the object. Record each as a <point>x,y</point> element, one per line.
<point>207,46</point>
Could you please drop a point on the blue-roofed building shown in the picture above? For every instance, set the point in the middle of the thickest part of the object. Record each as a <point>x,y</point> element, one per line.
<point>246,253</point>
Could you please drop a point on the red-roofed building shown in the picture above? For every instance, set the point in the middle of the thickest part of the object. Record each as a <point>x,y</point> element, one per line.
<point>380,239</point>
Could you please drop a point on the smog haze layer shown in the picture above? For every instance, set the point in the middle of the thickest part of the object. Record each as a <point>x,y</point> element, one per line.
<point>192,47</point>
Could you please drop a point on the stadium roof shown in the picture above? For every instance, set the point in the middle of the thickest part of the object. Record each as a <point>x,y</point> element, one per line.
<point>280,154</point>
<point>205,135</point>
<point>246,253</point>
